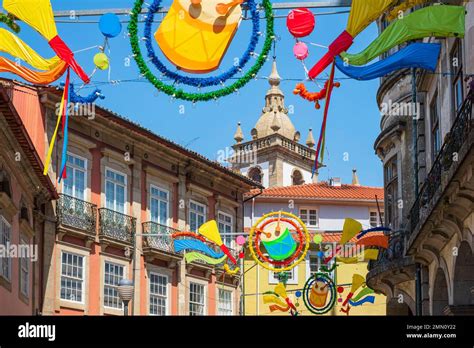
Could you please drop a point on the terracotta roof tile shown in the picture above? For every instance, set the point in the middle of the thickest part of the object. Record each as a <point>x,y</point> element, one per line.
<point>323,191</point>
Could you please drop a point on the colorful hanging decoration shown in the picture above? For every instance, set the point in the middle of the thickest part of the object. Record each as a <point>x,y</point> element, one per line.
<point>300,22</point>
<point>197,63</point>
<point>110,26</point>
<point>279,301</point>
<point>438,21</point>
<point>202,247</point>
<point>315,97</point>
<point>77,99</point>
<point>416,55</point>
<point>285,239</point>
<point>319,293</point>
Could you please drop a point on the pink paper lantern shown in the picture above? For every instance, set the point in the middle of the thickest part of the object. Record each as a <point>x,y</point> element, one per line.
<point>240,240</point>
<point>300,50</point>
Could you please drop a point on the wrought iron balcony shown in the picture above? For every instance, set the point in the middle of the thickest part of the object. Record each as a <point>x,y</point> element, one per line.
<point>158,236</point>
<point>116,226</point>
<point>76,213</point>
<point>449,158</point>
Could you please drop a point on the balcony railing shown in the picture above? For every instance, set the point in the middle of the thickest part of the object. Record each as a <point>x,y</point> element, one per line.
<point>395,251</point>
<point>116,226</point>
<point>448,157</point>
<point>76,213</point>
<point>158,236</point>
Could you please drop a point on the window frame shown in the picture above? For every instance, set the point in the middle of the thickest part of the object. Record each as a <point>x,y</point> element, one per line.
<point>457,75</point>
<point>116,264</point>
<point>219,301</point>
<point>125,184</point>
<point>74,168</point>
<point>226,237</point>
<point>293,281</point>
<point>204,296</point>
<point>308,217</point>
<point>84,269</point>
<point>24,241</point>
<point>4,223</point>
<point>435,127</point>
<point>379,217</point>
<point>167,298</point>
<point>151,196</point>
<point>193,211</point>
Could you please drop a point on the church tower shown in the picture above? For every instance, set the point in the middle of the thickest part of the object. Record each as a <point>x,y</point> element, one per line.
<point>273,156</point>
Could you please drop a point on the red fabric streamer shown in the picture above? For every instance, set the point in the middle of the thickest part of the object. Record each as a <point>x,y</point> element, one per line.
<point>326,111</point>
<point>63,52</point>
<point>341,44</point>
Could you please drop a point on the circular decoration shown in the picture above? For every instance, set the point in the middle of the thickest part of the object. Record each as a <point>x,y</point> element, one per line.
<point>101,61</point>
<point>317,238</point>
<point>199,82</point>
<point>283,249</point>
<point>320,254</point>
<point>340,289</point>
<point>300,22</point>
<point>298,294</point>
<point>300,50</point>
<point>240,240</point>
<point>319,294</point>
<point>110,25</point>
<point>241,255</point>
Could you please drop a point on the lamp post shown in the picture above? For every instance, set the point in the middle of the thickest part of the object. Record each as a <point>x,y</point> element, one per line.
<point>125,290</point>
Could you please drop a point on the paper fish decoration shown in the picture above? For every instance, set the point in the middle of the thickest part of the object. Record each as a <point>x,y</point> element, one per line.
<point>194,35</point>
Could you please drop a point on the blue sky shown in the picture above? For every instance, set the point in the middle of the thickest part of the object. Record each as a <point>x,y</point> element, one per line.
<point>353,123</point>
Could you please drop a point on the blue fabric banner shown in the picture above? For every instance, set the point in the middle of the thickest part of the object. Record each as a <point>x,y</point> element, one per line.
<point>195,245</point>
<point>416,55</point>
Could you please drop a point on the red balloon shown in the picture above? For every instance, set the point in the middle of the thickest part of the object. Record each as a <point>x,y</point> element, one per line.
<point>300,22</point>
<point>340,289</point>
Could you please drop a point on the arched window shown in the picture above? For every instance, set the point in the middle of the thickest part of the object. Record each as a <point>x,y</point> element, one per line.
<point>256,174</point>
<point>297,178</point>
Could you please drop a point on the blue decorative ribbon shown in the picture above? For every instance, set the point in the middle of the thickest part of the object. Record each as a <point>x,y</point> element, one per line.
<point>195,245</point>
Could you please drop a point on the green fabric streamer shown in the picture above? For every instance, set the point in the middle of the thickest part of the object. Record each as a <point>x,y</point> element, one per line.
<point>362,293</point>
<point>437,21</point>
<point>193,256</point>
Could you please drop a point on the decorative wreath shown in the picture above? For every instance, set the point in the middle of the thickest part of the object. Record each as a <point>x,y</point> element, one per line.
<point>199,82</point>
<point>332,293</point>
<point>297,257</point>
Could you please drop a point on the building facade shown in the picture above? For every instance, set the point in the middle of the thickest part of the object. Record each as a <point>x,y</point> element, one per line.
<point>24,195</point>
<point>323,207</point>
<point>428,169</point>
<point>125,192</point>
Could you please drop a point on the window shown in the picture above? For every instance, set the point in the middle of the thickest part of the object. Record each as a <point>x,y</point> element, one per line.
<point>75,183</point>
<point>297,178</point>
<point>5,238</point>
<point>391,193</point>
<point>197,304</point>
<point>457,76</point>
<point>435,131</point>
<point>197,215</point>
<point>314,263</point>
<point>158,294</point>
<point>115,189</point>
<point>375,219</point>
<point>159,205</point>
<point>113,274</point>
<point>224,302</point>
<point>24,273</point>
<point>309,217</point>
<point>72,277</point>
<point>292,274</point>
<point>256,174</point>
<point>225,228</point>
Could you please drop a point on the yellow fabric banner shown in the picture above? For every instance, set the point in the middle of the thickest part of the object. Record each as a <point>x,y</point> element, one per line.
<point>36,13</point>
<point>13,45</point>
<point>402,7</point>
<point>364,12</point>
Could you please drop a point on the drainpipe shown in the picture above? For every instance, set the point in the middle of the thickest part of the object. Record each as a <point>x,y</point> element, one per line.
<point>416,183</point>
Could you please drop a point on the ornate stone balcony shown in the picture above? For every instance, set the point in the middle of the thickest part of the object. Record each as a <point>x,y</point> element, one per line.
<point>116,228</point>
<point>76,217</point>
<point>456,148</point>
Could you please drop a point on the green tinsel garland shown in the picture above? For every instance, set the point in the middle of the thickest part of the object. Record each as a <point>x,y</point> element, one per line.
<point>195,97</point>
<point>9,21</point>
